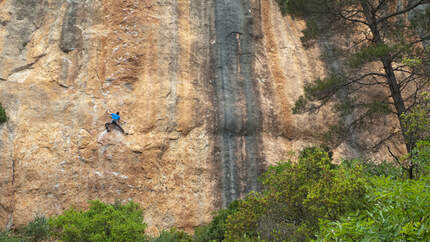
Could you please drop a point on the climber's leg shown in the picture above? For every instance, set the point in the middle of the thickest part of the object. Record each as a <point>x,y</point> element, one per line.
<point>117,125</point>
<point>107,127</point>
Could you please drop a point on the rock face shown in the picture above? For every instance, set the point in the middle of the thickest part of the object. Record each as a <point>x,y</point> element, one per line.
<point>205,89</point>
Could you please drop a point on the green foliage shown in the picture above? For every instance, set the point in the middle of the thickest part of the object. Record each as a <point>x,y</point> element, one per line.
<point>412,61</point>
<point>420,157</point>
<point>346,107</point>
<point>245,220</point>
<point>333,137</point>
<point>371,168</point>
<point>302,8</point>
<point>378,108</point>
<point>37,229</point>
<point>400,211</point>
<point>296,195</point>
<point>417,122</point>
<point>3,117</point>
<point>102,222</point>
<point>215,230</point>
<point>319,89</point>
<point>368,54</point>
<point>312,11</point>
<point>301,105</point>
<point>311,32</point>
<point>283,5</point>
<point>10,237</point>
<point>173,235</point>
<point>322,88</point>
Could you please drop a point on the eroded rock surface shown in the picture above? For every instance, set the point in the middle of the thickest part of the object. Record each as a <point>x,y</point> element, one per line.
<point>206,89</point>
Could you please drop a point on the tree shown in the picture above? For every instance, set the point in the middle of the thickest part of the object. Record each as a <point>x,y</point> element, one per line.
<point>385,51</point>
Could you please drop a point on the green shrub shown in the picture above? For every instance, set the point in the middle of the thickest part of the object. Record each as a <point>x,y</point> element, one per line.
<point>421,158</point>
<point>400,211</point>
<point>371,169</point>
<point>173,235</point>
<point>10,237</point>
<point>37,229</point>
<point>3,117</point>
<point>102,222</point>
<point>215,230</point>
<point>245,221</point>
<point>296,196</point>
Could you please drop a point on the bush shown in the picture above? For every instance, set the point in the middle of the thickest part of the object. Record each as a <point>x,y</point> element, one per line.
<point>215,230</point>
<point>173,236</point>
<point>296,196</point>
<point>102,222</point>
<point>244,221</point>
<point>3,117</point>
<point>400,211</point>
<point>37,229</point>
<point>420,157</point>
<point>9,237</point>
<point>371,169</point>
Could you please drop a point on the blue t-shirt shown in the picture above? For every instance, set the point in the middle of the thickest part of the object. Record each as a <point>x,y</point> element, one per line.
<point>115,116</point>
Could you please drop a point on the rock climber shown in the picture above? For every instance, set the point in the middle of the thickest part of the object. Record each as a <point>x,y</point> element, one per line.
<point>115,121</point>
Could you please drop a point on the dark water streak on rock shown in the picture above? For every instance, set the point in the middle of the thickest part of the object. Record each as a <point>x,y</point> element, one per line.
<point>238,117</point>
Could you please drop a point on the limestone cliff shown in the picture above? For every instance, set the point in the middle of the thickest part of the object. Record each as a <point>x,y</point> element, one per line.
<point>205,87</point>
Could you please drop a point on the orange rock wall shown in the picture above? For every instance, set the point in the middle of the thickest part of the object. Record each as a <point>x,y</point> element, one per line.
<point>63,64</point>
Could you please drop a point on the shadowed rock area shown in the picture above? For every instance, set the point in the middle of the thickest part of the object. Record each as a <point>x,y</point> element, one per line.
<point>236,100</point>
<point>70,33</point>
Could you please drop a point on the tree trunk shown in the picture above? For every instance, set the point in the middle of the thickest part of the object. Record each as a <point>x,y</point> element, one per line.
<point>391,79</point>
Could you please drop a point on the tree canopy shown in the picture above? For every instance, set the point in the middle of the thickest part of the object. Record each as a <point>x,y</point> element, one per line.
<point>385,49</point>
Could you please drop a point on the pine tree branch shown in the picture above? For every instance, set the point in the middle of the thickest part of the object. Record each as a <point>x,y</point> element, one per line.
<point>350,19</point>
<point>421,2</point>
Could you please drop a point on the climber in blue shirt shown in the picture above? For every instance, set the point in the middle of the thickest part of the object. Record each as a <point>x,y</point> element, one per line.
<point>115,116</point>
<point>115,121</point>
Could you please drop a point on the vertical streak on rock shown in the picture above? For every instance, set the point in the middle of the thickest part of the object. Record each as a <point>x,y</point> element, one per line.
<point>8,159</point>
<point>252,118</point>
<point>70,32</point>
<point>238,116</point>
<point>184,90</point>
<point>272,52</point>
<point>170,44</point>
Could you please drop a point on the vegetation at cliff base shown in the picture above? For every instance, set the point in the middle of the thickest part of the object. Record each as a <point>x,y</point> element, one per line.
<point>399,211</point>
<point>3,117</point>
<point>316,200</point>
<point>296,196</point>
<point>172,235</point>
<point>37,229</point>
<point>310,199</point>
<point>102,222</point>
